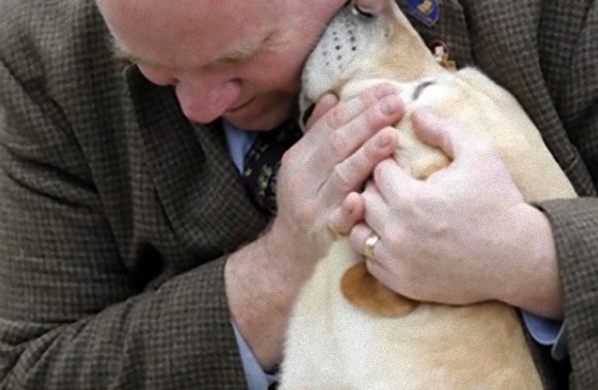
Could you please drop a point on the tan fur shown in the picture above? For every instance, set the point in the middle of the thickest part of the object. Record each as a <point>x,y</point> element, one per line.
<point>365,292</point>
<point>347,330</point>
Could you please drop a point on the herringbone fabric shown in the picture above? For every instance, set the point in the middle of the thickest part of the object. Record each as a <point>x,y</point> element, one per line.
<point>116,214</point>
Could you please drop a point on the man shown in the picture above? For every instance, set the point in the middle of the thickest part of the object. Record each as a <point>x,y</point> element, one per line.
<point>132,256</point>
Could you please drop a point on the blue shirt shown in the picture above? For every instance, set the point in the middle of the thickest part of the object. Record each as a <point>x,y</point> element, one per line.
<point>544,331</point>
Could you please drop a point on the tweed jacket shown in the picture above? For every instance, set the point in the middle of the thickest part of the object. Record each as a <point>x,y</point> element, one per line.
<point>117,214</point>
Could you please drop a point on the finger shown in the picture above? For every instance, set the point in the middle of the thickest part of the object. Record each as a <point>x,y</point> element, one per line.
<point>371,189</point>
<point>442,133</point>
<point>345,217</point>
<point>376,209</point>
<point>354,106</point>
<point>345,140</point>
<point>350,174</point>
<point>392,181</point>
<point>391,275</point>
<point>379,271</point>
<point>325,104</point>
<point>346,111</point>
<point>358,236</point>
<point>378,212</point>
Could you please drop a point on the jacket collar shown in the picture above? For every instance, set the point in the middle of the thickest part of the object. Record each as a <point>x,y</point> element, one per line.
<point>195,179</point>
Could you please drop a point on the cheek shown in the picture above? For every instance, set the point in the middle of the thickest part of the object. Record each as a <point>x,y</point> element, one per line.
<point>282,73</point>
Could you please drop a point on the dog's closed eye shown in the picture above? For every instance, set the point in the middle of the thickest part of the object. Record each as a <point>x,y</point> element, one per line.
<point>359,12</point>
<point>420,88</point>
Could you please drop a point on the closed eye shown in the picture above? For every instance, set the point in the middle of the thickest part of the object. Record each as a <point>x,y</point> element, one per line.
<point>359,12</point>
<point>420,88</point>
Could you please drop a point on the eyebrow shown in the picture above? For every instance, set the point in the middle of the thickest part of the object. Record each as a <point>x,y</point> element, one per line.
<point>121,53</point>
<point>236,54</point>
<point>243,51</point>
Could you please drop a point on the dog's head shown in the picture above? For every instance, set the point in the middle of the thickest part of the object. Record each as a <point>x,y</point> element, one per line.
<point>370,42</point>
<point>367,39</point>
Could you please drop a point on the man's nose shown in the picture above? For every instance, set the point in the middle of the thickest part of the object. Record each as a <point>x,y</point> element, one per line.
<point>203,99</point>
<point>203,95</point>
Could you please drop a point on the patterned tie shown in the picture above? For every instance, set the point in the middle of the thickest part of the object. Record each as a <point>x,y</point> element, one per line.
<point>263,160</point>
<point>273,386</point>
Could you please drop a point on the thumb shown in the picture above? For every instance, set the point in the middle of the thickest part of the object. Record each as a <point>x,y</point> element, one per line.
<point>443,133</point>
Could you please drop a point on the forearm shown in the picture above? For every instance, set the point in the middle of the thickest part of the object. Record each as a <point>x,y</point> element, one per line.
<point>261,291</point>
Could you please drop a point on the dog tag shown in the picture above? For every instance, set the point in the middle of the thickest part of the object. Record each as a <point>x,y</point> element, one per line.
<point>426,11</point>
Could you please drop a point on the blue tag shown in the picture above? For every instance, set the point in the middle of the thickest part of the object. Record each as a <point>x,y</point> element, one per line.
<point>426,11</point>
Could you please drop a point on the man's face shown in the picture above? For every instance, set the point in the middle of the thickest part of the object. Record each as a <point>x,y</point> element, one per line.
<point>237,59</point>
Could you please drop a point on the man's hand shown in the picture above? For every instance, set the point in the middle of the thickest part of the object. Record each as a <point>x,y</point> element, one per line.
<point>463,235</point>
<point>335,157</point>
<point>343,144</point>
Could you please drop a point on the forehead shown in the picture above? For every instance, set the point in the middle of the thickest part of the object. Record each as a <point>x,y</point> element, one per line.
<point>182,31</point>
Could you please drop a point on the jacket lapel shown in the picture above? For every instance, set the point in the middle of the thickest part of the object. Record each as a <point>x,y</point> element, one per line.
<point>196,181</point>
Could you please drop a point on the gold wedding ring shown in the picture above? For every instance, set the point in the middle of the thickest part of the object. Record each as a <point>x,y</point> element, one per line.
<point>368,248</point>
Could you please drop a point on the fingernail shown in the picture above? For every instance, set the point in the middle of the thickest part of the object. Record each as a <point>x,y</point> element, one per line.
<point>383,141</point>
<point>384,90</point>
<point>390,105</point>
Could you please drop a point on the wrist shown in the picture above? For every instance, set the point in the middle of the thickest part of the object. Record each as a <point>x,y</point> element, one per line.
<point>261,287</point>
<point>534,283</point>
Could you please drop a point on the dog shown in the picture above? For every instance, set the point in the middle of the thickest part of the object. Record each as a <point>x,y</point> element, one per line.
<point>347,331</point>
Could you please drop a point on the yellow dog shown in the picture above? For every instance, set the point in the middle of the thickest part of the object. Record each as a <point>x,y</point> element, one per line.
<point>349,332</point>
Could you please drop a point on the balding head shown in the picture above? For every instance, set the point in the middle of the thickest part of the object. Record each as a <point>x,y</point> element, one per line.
<point>222,55</point>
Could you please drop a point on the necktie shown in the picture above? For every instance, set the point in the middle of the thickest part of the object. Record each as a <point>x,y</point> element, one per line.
<point>262,162</point>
